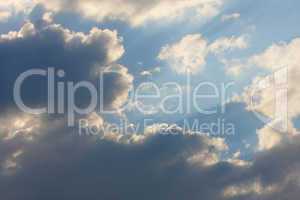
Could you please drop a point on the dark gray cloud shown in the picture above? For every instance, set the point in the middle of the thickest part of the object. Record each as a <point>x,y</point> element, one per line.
<point>43,45</point>
<point>59,164</point>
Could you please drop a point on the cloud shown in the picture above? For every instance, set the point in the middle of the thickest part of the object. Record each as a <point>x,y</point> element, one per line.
<point>233,67</point>
<point>150,72</point>
<point>191,51</point>
<point>13,7</point>
<point>80,55</point>
<point>187,54</point>
<point>228,44</point>
<point>22,125</point>
<point>175,166</point>
<point>255,187</point>
<point>146,73</point>
<point>229,17</point>
<point>135,12</point>
<point>99,158</point>
<point>274,97</point>
<point>17,131</point>
<point>117,83</point>
<point>268,138</point>
<point>98,47</point>
<point>281,60</point>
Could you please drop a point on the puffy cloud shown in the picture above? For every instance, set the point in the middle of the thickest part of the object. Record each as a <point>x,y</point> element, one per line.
<point>117,83</point>
<point>268,138</point>
<point>191,51</point>
<point>80,55</point>
<point>275,97</point>
<point>133,11</point>
<point>186,55</point>
<point>98,47</point>
<point>233,67</point>
<point>282,61</point>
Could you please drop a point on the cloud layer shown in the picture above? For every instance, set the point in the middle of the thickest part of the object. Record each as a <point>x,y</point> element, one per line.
<point>57,163</point>
<point>133,12</point>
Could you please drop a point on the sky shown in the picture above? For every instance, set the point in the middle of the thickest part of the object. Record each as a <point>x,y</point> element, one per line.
<point>149,99</point>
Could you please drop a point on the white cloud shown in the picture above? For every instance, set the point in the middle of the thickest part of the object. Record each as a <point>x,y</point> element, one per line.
<point>191,51</point>
<point>205,158</point>
<point>150,72</point>
<point>8,8</point>
<point>135,12</point>
<point>233,67</point>
<point>227,44</point>
<point>26,30</point>
<point>277,95</point>
<point>237,161</point>
<point>19,125</point>
<point>146,73</point>
<point>268,138</point>
<point>187,54</point>
<point>277,58</point>
<point>210,156</point>
<point>232,16</point>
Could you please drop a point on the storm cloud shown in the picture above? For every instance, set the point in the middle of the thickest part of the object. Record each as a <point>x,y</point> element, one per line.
<point>81,56</point>
<point>58,163</point>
